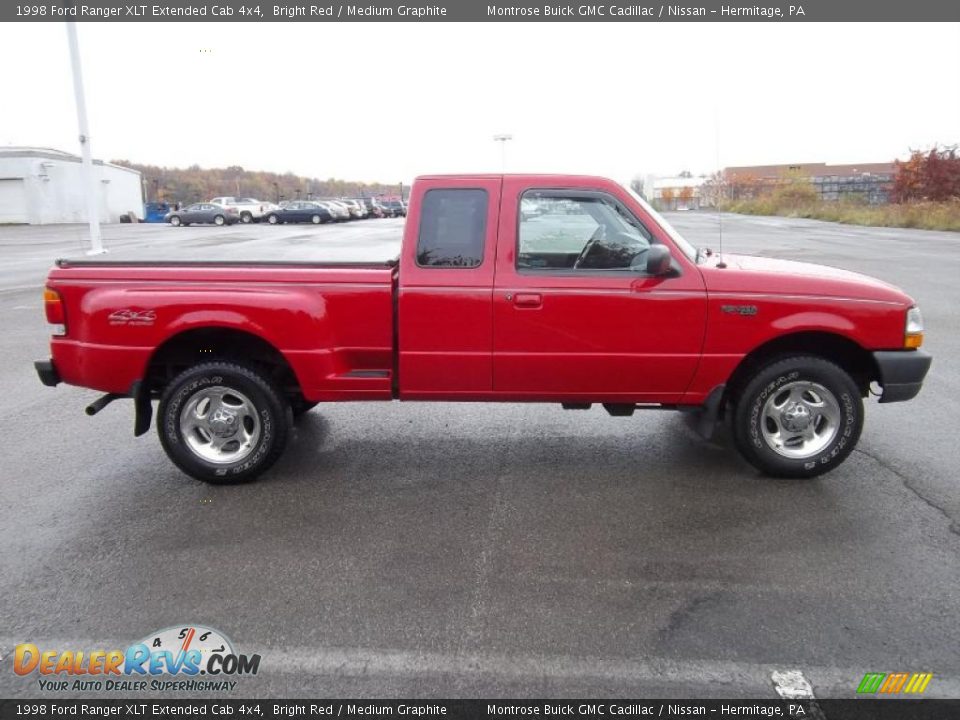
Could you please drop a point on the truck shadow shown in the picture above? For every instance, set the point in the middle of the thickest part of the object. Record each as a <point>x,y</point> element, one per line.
<point>664,448</point>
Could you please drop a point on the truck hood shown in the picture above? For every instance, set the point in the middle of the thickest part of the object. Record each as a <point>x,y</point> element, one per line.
<point>753,274</point>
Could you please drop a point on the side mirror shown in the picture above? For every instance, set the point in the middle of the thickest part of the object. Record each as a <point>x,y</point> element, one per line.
<point>658,260</point>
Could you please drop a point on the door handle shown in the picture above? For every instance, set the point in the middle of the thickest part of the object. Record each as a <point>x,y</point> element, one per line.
<point>528,300</point>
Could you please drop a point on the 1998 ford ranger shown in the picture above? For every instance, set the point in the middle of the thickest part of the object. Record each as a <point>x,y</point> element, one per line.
<point>508,288</point>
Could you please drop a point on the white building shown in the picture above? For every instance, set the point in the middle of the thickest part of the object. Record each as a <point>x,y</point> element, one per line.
<point>39,186</point>
<point>677,193</point>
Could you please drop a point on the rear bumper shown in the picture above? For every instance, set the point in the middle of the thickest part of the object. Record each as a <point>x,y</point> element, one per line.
<point>47,372</point>
<point>901,373</point>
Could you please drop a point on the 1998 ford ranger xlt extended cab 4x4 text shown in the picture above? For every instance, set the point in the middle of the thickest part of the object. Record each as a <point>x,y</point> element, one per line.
<point>508,288</point>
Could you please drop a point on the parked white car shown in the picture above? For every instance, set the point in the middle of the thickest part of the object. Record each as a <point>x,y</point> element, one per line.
<point>250,210</point>
<point>357,209</point>
<point>338,210</point>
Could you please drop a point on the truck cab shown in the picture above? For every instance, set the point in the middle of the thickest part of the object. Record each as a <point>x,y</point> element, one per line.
<point>584,301</point>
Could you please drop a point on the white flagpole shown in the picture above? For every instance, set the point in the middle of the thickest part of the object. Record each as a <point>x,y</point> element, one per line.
<point>90,189</point>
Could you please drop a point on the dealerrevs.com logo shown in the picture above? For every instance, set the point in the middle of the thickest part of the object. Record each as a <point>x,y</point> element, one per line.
<point>186,658</point>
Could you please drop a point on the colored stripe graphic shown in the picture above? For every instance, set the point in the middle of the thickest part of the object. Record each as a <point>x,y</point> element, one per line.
<point>894,683</point>
<point>871,682</point>
<point>918,683</point>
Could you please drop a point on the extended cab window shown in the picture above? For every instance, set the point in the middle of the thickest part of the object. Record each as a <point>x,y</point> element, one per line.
<point>453,225</point>
<point>579,231</point>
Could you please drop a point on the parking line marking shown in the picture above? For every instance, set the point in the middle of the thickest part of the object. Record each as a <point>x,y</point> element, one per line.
<point>792,685</point>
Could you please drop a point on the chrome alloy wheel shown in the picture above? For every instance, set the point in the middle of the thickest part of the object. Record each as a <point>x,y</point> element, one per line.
<point>800,419</point>
<point>220,425</point>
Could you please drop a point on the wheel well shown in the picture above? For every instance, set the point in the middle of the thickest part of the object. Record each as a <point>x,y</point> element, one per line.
<point>206,344</point>
<point>850,356</point>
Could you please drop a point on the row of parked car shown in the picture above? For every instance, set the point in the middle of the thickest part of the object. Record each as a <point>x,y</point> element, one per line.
<point>228,210</point>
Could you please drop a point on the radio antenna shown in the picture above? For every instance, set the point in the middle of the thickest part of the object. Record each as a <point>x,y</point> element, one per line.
<point>719,183</point>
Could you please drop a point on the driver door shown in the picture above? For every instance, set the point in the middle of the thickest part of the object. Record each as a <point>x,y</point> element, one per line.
<point>192,214</point>
<point>576,316</point>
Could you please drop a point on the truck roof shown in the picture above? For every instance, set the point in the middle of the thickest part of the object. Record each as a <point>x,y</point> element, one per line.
<point>545,176</point>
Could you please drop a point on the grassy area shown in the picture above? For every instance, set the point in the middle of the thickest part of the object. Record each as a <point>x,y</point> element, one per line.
<point>923,215</point>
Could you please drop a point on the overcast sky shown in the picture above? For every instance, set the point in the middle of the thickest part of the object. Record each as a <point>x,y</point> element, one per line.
<point>388,101</point>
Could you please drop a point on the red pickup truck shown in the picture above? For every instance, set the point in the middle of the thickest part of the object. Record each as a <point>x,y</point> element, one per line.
<point>508,288</point>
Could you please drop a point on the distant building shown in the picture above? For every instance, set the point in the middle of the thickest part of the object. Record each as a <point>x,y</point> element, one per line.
<point>39,186</point>
<point>676,193</point>
<point>871,182</point>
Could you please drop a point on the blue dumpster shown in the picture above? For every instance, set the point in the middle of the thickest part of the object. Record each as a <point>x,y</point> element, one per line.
<point>155,212</point>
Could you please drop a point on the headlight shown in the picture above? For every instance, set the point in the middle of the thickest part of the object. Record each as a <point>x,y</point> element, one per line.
<point>913,330</point>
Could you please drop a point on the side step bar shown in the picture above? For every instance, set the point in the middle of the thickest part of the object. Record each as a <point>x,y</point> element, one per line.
<point>619,409</point>
<point>705,416</point>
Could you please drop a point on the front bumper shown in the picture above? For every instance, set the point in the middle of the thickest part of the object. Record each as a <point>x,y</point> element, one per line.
<point>901,373</point>
<point>47,372</point>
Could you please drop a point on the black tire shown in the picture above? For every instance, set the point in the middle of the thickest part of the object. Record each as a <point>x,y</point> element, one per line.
<point>219,220</point>
<point>316,219</point>
<point>273,219</point>
<point>175,221</point>
<point>301,406</point>
<point>772,383</point>
<point>246,218</point>
<point>270,410</point>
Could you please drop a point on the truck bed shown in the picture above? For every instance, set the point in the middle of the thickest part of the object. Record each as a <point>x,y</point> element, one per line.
<point>333,321</point>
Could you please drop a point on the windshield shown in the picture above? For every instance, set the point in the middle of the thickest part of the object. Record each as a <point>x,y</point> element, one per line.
<point>685,247</point>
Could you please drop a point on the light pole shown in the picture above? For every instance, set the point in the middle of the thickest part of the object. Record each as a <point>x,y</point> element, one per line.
<point>503,138</point>
<point>90,190</point>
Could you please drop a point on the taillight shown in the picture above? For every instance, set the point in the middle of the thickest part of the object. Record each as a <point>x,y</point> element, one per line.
<point>53,307</point>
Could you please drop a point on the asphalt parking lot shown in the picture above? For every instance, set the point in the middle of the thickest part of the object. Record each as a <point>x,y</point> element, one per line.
<point>490,550</point>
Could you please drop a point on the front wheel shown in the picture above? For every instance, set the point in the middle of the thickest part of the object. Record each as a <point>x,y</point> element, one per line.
<point>222,423</point>
<point>798,417</point>
<point>316,219</point>
<point>175,221</point>
<point>272,219</point>
<point>246,218</point>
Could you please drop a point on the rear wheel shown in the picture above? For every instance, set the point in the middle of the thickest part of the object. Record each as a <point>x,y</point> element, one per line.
<point>246,218</point>
<point>272,219</point>
<point>222,423</point>
<point>799,417</point>
<point>219,220</point>
<point>316,219</point>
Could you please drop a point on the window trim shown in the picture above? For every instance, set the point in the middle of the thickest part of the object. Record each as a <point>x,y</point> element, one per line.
<point>483,245</point>
<point>584,194</point>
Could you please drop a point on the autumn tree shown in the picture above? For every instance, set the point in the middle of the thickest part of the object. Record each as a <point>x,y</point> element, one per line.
<point>194,184</point>
<point>637,184</point>
<point>666,198</point>
<point>932,175</point>
<point>738,186</point>
<point>713,189</point>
